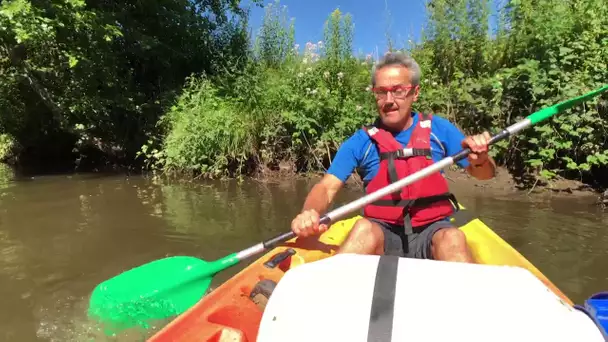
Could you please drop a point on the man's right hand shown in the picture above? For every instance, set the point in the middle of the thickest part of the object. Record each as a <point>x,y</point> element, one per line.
<point>319,197</point>
<point>307,223</point>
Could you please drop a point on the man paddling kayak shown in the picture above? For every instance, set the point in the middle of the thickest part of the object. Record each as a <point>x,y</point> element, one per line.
<point>414,222</point>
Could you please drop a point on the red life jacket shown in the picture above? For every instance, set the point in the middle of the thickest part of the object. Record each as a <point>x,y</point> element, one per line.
<point>420,203</point>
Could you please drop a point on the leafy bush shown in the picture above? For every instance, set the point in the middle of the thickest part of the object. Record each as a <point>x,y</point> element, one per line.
<point>294,107</point>
<point>298,107</point>
<point>7,144</point>
<point>95,76</point>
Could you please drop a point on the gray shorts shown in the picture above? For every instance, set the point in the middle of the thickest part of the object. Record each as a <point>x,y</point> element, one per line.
<point>419,245</point>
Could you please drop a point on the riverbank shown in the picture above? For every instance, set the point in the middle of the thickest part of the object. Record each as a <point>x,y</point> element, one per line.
<point>504,181</point>
<point>503,184</point>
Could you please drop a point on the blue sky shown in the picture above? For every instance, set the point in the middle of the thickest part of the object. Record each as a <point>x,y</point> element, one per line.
<point>404,19</point>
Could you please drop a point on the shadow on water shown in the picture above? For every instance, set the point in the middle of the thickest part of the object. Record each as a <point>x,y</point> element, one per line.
<point>60,236</point>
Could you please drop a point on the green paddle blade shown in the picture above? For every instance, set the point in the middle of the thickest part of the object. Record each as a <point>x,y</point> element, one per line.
<point>550,111</point>
<point>151,292</point>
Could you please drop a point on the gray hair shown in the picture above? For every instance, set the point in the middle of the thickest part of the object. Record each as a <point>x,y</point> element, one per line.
<point>400,59</point>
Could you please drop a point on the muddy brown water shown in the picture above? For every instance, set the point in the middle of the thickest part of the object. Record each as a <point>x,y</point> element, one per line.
<point>62,235</point>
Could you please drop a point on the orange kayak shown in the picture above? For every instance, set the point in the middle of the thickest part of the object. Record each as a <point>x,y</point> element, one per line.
<point>233,311</point>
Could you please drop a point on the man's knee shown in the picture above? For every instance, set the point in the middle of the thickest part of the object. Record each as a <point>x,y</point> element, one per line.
<point>368,234</point>
<point>450,244</point>
<point>450,238</point>
<point>365,227</point>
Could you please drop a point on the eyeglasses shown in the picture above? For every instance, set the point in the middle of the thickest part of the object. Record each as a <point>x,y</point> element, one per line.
<point>399,91</point>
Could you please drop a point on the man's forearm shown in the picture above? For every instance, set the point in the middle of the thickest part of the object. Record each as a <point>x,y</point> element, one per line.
<point>484,171</point>
<point>318,199</point>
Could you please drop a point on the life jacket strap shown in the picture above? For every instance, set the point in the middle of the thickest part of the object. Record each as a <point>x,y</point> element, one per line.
<point>423,201</point>
<point>392,156</point>
<point>406,153</point>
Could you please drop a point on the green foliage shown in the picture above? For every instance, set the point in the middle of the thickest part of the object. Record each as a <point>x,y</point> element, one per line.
<point>276,39</point>
<point>206,133</point>
<point>181,83</point>
<point>299,107</point>
<point>97,75</point>
<point>286,106</point>
<point>7,145</point>
<point>564,56</point>
<point>543,52</point>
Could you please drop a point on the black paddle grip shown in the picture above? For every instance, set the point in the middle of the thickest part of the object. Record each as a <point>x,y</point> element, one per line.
<point>279,239</point>
<point>290,235</point>
<point>461,155</point>
<point>500,136</point>
<point>465,153</point>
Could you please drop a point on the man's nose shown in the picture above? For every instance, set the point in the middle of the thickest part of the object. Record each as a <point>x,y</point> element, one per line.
<point>389,97</point>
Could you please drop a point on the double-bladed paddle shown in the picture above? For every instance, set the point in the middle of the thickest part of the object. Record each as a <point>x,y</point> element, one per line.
<point>167,287</point>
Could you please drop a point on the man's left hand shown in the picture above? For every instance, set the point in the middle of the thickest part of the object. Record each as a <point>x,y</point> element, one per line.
<point>479,147</point>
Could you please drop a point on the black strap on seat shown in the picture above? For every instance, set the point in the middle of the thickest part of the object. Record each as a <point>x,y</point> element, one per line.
<point>382,312</point>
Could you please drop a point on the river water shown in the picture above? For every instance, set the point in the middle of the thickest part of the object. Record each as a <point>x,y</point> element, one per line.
<point>62,235</point>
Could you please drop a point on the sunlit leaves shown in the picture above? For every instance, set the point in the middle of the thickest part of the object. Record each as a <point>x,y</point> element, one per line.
<point>544,52</point>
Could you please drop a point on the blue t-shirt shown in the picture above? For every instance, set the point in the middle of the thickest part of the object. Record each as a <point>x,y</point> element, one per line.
<point>358,151</point>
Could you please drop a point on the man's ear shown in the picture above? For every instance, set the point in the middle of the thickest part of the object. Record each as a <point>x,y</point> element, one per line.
<point>416,92</point>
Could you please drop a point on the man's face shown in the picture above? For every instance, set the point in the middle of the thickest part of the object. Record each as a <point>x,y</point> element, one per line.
<point>394,95</point>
